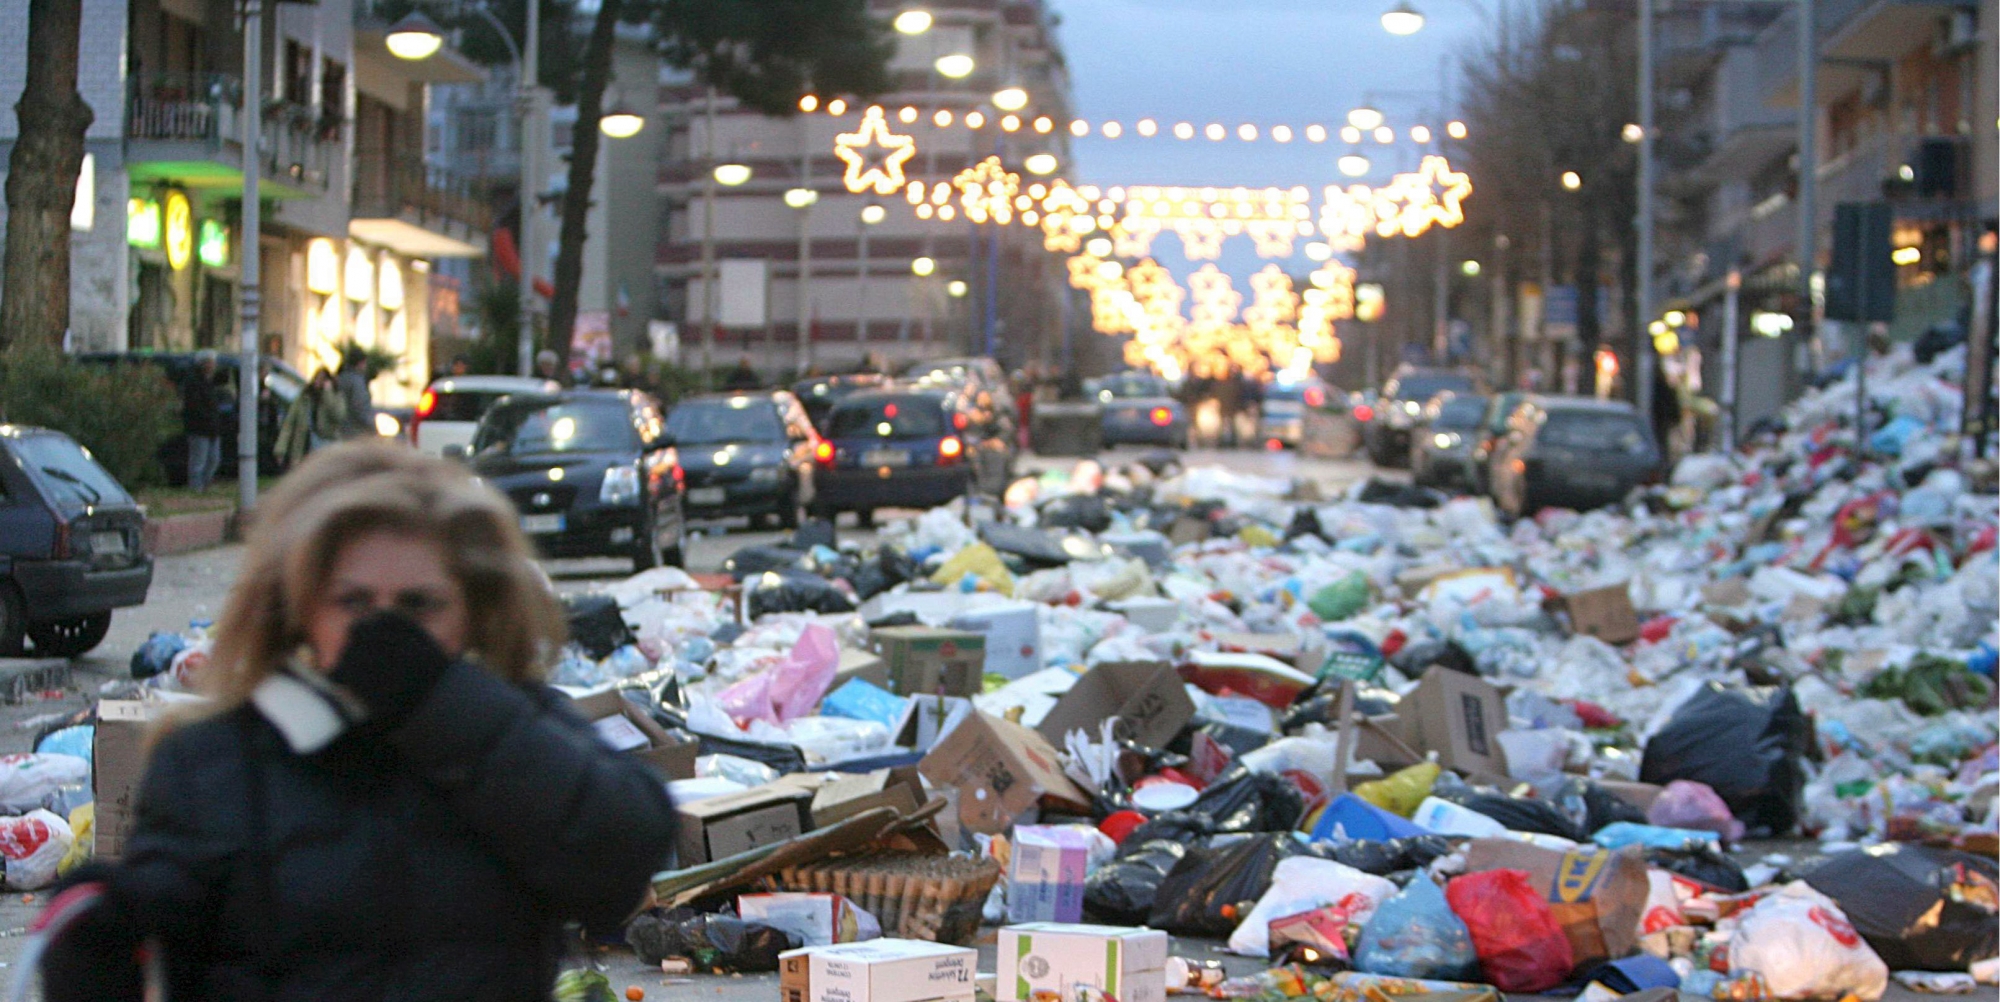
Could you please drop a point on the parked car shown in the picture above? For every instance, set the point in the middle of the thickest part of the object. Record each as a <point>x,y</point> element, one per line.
<point>281,379</point>
<point>1572,452</point>
<point>1395,413</point>
<point>977,378</point>
<point>745,454</point>
<point>820,393</point>
<point>1492,431</point>
<point>1139,409</point>
<point>72,545</point>
<point>908,447</point>
<point>1441,449</point>
<point>449,411</point>
<point>1286,400</point>
<point>593,473</point>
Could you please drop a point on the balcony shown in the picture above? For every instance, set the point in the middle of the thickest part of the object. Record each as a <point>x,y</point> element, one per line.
<point>1738,134</point>
<point>187,130</point>
<point>417,210</point>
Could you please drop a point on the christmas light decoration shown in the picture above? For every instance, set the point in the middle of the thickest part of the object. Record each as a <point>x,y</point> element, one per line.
<point>986,191</point>
<point>874,155</point>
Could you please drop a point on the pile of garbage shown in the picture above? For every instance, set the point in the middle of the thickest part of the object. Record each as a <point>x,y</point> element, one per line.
<point>1375,736</point>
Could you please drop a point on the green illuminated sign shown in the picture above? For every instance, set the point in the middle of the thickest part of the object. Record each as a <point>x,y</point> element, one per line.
<point>142,222</point>
<point>212,245</point>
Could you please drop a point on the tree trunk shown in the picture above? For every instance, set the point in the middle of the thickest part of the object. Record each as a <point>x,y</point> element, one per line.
<point>582,174</point>
<point>41,179</point>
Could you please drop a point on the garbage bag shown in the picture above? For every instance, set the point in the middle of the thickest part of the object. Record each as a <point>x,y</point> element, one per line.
<point>1688,804</point>
<point>1301,884</point>
<point>1392,855</point>
<point>1350,818</point>
<point>790,689</point>
<point>76,740</point>
<point>1704,862</point>
<point>1415,935</point>
<point>1341,599</point>
<point>1746,744</point>
<point>1521,814</point>
<point>1920,908</point>
<point>1210,890</point>
<point>1521,946</point>
<point>596,625</point>
<point>1600,806</point>
<point>1123,890</point>
<point>979,561</point>
<point>156,655</point>
<point>794,591</point>
<point>1414,659</point>
<point>32,846</point>
<point>1400,792</point>
<point>786,759</point>
<point>1305,522</point>
<point>28,781</point>
<point>1245,801</point>
<point>1077,511</point>
<point>1378,491</point>
<point>753,560</point>
<point>890,568</point>
<point>712,942</point>
<point>1802,946</point>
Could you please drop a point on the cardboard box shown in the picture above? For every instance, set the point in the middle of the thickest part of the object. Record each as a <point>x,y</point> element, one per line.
<point>1045,876</point>
<point>629,729</point>
<point>838,796</point>
<point>816,919</point>
<point>1013,636</point>
<point>933,662</point>
<point>879,970</point>
<point>1154,615</point>
<point>1598,896</point>
<point>1460,717</point>
<point>1000,769</point>
<point>927,718</point>
<point>1728,593</point>
<point>860,664</point>
<point>1145,696</point>
<point>1605,613</point>
<point>1188,529</point>
<point>1053,957</point>
<point>720,827</point>
<point>118,757</point>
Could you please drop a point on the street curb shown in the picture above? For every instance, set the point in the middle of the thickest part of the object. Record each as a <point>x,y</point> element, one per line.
<point>186,533</point>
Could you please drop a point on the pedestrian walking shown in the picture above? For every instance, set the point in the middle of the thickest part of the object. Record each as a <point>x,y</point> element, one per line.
<point>358,400</point>
<point>380,799</point>
<point>1228,398</point>
<point>316,419</point>
<point>549,366</point>
<point>201,419</point>
<point>743,377</point>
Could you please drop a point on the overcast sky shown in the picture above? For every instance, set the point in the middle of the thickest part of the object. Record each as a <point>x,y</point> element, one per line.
<point>1266,62</point>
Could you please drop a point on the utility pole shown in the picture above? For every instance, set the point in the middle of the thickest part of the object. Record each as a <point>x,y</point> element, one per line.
<point>247,255</point>
<point>805,345</point>
<point>533,121</point>
<point>1642,342</point>
<point>708,243</point>
<point>1808,221</point>
<point>1732,316</point>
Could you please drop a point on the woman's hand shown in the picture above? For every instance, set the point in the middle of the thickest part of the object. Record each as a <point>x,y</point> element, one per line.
<point>390,664</point>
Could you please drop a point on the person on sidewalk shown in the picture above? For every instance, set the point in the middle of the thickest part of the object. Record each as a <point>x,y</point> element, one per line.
<point>201,418</point>
<point>314,421</point>
<point>380,799</point>
<point>355,395</point>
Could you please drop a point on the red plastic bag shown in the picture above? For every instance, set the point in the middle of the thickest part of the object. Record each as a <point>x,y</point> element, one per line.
<point>1520,945</point>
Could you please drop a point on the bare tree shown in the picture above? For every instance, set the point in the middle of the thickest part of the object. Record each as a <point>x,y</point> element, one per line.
<point>41,179</point>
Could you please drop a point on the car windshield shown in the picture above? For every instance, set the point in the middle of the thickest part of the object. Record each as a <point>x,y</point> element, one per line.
<point>1426,386</point>
<point>888,417</point>
<point>1595,432</point>
<point>65,466</point>
<point>1130,385</point>
<point>568,426</point>
<point>464,405</point>
<point>737,419</point>
<point>1461,412</point>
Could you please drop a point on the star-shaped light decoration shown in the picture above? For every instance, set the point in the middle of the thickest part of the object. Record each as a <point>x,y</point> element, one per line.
<point>987,191</point>
<point>1201,239</point>
<point>1215,297</point>
<point>1413,203</point>
<point>874,155</point>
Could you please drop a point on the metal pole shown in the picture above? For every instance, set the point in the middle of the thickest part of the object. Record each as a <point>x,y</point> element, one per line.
<point>528,92</point>
<point>1501,337</point>
<point>805,349</point>
<point>1642,347</point>
<point>861,310</point>
<point>1440,298</point>
<point>1732,307</point>
<point>708,243</point>
<point>1808,221</point>
<point>247,255</point>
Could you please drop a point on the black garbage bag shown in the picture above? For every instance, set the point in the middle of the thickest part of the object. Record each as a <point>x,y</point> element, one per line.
<point>1416,658</point>
<point>1077,511</point>
<point>1921,908</point>
<point>890,568</point>
<point>786,759</point>
<point>1183,826</point>
<point>1244,801</point>
<point>795,591</point>
<point>156,655</point>
<point>1038,548</point>
<point>596,625</point>
<point>1210,890</point>
<point>758,559</point>
<point>817,532</point>
<point>1377,491</point>
<point>1122,891</point>
<point>1521,814</point>
<point>712,942</point>
<point>1746,744</point>
<point>1305,522</point>
<point>1592,805</point>
<point>1703,861</point>
<point>1238,740</point>
<point>1321,704</point>
<point>1394,855</point>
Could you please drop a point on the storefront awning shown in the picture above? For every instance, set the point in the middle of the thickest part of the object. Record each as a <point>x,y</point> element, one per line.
<point>410,240</point>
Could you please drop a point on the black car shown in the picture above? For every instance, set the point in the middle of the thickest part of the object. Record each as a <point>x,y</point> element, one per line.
<point>745,454</point>
<point>281,380</point>
<point>1139,409</point>
<point>1572,452</point>
<point>593,473</point>
<point>71,545</point>
<point>1395,413</point>
<point>1441,450</point>
<point>820,393</point>
<point>1492,432</point>
<point>911,447</point>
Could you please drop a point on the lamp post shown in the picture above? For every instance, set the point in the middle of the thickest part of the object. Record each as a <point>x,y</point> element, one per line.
<point>247,255</point>
<point>870,215</point>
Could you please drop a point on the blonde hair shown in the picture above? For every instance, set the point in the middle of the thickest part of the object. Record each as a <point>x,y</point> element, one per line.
<point>515,626</point>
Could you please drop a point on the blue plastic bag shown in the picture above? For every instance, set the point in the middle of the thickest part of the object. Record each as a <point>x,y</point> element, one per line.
<point>156,655</point>
<point>1620,834</point>
<point>1351,817</point>
<point>78,741</point>
<point>860,699</point>
<point>1415,935</point>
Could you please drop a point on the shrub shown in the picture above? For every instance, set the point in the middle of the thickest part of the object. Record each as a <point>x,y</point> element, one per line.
<point>122,414</point>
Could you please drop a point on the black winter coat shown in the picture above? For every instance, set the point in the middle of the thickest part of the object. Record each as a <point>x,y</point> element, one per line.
<point>201,406</point>
<point>436,862</point>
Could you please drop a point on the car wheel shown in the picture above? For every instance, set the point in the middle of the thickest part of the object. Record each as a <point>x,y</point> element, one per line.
<point>13,621</point>
<point>68,638</point>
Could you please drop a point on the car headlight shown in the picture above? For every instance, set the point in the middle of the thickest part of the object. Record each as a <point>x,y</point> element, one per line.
<point>1445,440</point>
<point>621,486</point>
<point>766,475</point>
<point>386,425</point>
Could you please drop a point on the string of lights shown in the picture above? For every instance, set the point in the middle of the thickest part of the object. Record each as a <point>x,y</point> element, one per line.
<point>1374,128</point>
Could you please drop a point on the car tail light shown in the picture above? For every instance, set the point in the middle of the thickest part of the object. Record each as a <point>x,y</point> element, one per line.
<point>1162,416</point>
<point>1274,445</point>
<point>1519,465</point>
<point>950,448</point>
<point>823,452</point>
<point>1315,396</point>
<point>427,404</point>
<point>959,421</point>
<point>1364,413</point>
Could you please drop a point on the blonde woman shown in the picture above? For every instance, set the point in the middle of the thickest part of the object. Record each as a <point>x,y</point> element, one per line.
<point>382,801</point>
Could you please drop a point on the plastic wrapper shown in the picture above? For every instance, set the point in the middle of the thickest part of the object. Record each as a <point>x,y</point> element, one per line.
<point>711,942</point>
<point>980,564</point>
<point>1800,945</point>
<point>1303,883</point>
<point>791,689</point>
<point>1123,891</point>
<point>1210,890</point>
<point>1520,945</point>
<point>1400,792</point>
<point>1688,804</point>
<point>1415,934</point>
<point>1746,744</point>
<point>1919,907</point>
<point>837,739</point>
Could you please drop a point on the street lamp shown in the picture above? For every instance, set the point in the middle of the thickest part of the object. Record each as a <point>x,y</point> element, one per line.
<point>1455,130</point>
<point>923,267</point>
<point>957,66</point>
<point>1402,19</point>
<point>731,175</point>
<point>1010,98</point>
<point>1365,118</point>
<point>956,288</point>
<point>414,37</point>
<point>799,198</point>
<point>1469,268</point>
<point>1041,163</point>
<point>915,21</point>
<point>1354,165</point>
<point>621,122</point>
<point>1571,181</point>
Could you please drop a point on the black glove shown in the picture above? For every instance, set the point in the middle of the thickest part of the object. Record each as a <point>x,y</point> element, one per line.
<point>95,956</point>
<point>390,664</point>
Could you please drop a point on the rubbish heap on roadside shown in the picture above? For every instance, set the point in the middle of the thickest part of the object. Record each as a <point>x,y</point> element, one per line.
<point>1383,739</point>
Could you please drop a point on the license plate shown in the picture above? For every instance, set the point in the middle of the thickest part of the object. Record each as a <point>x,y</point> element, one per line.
<point>707,495</point>
<point>537,525</point>
<point>107,544</point>
<point>885,457</point>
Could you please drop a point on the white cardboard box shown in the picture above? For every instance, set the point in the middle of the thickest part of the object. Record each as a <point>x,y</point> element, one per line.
<point>880,970</point>
<point>1126,963</point>
<point>1013,636</point>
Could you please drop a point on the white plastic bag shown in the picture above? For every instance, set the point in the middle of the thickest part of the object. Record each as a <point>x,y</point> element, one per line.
<point>1303,883</point>
<point>30,781</point>
<point>32,846</point>
<point>1801,944</point>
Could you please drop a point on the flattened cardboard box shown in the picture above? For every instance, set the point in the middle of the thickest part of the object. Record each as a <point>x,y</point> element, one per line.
<point>720,827</point>
<point>838,796</point>
<point>1055,957</point>
<point>1605,613</point>
<point>1460,717</point>
<point>621,724</point>
<point>929,661</point>
<point>880,970</point>
<point>1145,696</point>
<point>1000,769</point>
